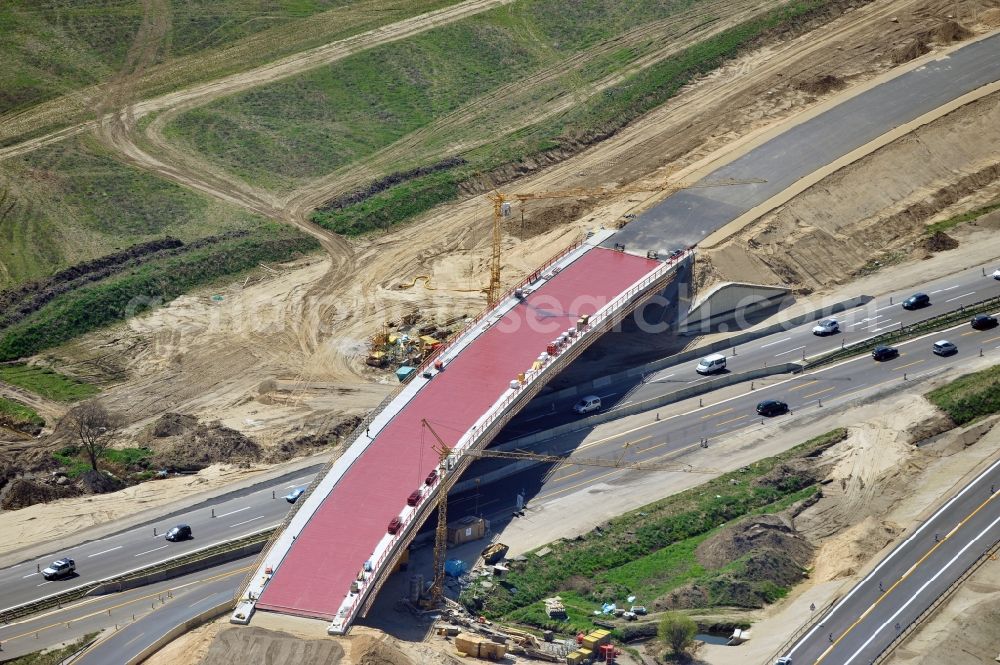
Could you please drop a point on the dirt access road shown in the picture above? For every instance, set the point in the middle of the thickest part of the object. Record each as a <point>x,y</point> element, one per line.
<point>307,327</point>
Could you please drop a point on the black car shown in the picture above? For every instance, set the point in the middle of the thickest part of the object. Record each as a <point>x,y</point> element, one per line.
<point>881,353</point>
<point>179,532</point>
<point>916,301</point>
<point>771,407</point>
<point>984,322</point>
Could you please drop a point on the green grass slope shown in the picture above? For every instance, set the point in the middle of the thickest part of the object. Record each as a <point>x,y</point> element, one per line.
<point>312,124</point>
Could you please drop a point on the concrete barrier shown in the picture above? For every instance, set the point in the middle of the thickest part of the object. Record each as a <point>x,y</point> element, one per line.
<point>178,630</point>
<point>548,399</point>
<point>526,442</point>
<point>143,578</point>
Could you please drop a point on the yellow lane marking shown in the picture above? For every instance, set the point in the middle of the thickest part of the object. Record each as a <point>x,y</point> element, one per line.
<point>803,385</point>
<point>717,413</point>
<point>568,475</point>
<point>904,577</point>
<point>820,392</point>
<point>915,362</point>
<point>128,602</point>
<point>598,442</point>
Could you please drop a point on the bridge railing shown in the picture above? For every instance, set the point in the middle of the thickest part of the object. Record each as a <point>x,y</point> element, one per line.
<point>387,546</point>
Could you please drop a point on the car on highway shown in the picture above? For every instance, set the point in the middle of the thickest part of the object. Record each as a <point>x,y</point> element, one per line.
<point>784,660</point>
<point>984,322</point>
<point>881,353</point>
<point>675,253</point>
<point>916,301</point>
<point>179,532</point>
<point>996,274</point>
<point>587,404</point>
<point>826,327</point>
<point>294,495</point>
<point>60,568</point>
<point>771,407</point>
<point>943,347</point>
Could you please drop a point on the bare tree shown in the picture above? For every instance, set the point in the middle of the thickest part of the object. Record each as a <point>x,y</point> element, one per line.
<point>94,427</point>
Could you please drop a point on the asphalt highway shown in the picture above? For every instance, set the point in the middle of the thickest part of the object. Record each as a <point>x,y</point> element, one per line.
<point>684,425</point>
<point>130,640</point>
<point>880,315</point>
<point>686,217</point>
<point>236,515</point>
<point>909,580</point>
<point>141,611</point>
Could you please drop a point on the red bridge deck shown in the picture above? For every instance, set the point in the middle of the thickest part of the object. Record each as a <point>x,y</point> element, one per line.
<point>316,573</point>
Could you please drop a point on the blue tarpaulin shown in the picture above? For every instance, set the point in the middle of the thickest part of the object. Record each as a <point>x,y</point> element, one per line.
<point>454,567</point>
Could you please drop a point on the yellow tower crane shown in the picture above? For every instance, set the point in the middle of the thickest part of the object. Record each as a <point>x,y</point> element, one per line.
<point>445,451</point>
<point>501,209</point>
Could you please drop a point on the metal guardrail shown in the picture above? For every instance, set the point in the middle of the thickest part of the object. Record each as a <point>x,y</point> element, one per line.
<point>814,618</point>
<point>57,600</point>
<point>990,553</point>
<point>907,332</point>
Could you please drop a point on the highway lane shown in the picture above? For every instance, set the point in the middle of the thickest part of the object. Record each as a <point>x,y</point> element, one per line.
<point>187,603</point>
<point>235,516</point>
<point>880,315</point>
<point>684,426</point>
<point>255,509</point>
<point>113,611</point>
<point>686,217</point>
<point>909,580</point>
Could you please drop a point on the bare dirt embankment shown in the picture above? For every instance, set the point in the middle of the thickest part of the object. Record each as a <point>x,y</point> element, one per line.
<point>281,357</point>
<point>878,484</point>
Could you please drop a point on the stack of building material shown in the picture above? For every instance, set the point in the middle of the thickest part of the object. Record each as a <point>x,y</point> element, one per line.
<point>473,645</point>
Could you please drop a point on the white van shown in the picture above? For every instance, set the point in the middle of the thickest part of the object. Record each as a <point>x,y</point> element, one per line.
<point>712,364</point>
<point>588,404</point>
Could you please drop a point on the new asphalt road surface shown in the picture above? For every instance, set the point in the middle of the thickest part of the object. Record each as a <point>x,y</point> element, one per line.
<point>909,580</point>
<point>686,217</point>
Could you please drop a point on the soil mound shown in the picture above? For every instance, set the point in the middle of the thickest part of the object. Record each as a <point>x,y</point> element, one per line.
<point>21,493</point>
<point>790,476</point>
<point>762,554</point>
<point>821,85</point>
<point>209,444</point>
<point>939,242</point>
<point>763,533</point>
<point>173,424</point>
<point>257,645</point>
<point>366,650</point>
<point>99,482</point>
<point>306,443</point>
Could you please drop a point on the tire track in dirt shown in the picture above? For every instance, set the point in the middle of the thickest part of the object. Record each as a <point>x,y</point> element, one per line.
<point>505,109</point>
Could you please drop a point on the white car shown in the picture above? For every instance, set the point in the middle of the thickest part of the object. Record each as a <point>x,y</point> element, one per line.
<point>587,404</point>
<point>996,274</point>
<point>826,327</point>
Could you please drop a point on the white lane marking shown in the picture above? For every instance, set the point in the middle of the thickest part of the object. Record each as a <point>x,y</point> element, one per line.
<point>104,552</point>
<point>783,353</point>
<point>44,583</point>
<point>946,289</point>
<point>783,339</point>
<point>970,293</point>
<point>134,639</point>
<point>886,307</point>
<point>869,320</point>
<point>886,327</point>
<point>152,550</point>
<point>233,512</point>
<point>27,576</point>
<point>660,378</point>
<point>609,395</point>
<point>247,522</point>
<point>900,548</point>
<point>919,591</point>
